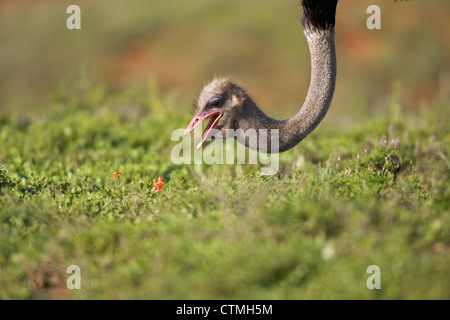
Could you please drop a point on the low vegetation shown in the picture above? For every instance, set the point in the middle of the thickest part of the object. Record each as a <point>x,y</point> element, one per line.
<point>374,193</point>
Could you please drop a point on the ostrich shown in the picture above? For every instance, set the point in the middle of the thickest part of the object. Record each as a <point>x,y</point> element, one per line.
<point>229,106</point>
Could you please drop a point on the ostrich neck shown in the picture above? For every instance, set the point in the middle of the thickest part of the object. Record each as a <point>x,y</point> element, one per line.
<point>318,100</point>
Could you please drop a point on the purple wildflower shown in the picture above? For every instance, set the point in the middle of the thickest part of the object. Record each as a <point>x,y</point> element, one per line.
<point>395,142</point>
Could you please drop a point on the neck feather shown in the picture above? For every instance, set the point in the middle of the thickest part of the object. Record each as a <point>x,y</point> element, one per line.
<point>318,100</point>
<point>320,93</point>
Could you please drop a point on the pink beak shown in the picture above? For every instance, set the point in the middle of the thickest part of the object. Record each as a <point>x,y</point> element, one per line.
<point>199,118</point>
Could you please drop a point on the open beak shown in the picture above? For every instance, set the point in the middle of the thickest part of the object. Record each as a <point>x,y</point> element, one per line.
<point>214,113</point>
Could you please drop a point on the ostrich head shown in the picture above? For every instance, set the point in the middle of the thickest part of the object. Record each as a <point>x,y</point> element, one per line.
<point>224,103</point>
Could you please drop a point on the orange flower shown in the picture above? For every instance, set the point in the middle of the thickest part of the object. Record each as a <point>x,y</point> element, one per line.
<point>158,184</point>
<point>117,175</point>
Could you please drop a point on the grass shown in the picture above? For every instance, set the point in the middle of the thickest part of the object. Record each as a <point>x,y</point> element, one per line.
<point>340,203</point>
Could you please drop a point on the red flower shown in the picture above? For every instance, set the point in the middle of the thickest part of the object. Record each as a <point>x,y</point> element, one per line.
<point>117,175</point>
<point>158,185</point>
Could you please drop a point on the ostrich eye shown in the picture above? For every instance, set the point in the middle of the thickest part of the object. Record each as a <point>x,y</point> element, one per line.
<point>214,102</point>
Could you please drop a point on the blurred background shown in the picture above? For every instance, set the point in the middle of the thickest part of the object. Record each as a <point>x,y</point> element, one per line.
<point>182,44</point>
